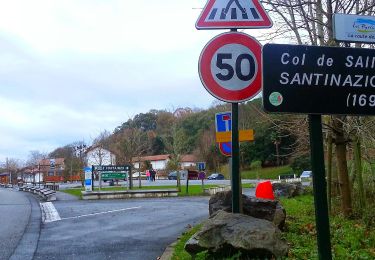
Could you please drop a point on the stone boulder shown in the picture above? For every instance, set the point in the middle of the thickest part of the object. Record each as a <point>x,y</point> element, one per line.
<point>288,190</point>
<point>270,210</point>
<point>228,233</point>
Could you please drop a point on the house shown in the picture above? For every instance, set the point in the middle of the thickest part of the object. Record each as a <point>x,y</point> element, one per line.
<point>51,169</point>
<point>4,178</point>
<point>30,174</point>
<point>158,162</point>
<point>97,155</point>
<point>188,161</point>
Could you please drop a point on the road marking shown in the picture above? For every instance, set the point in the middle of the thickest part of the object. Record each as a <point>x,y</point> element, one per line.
<point>101,213</point>
<point>49,212</point>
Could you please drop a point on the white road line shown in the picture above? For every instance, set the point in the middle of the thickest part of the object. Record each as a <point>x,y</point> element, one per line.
<point>49,212</point>
<point>100,213</point>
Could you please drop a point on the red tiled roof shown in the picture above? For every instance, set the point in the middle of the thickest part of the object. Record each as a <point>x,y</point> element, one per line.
<point>46,162</point>
<point>188,158</point>
<point>151,158</point>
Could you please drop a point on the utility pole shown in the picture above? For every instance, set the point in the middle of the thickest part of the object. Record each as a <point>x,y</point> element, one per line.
<point>7,167</point>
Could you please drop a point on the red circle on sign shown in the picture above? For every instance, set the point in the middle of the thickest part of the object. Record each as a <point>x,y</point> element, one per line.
<point>206,73</point>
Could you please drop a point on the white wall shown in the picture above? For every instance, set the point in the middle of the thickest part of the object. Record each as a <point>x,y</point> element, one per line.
<point>100,156</point>
<point>157,165</point>
<point>188,164</point>
<point>30,178</point>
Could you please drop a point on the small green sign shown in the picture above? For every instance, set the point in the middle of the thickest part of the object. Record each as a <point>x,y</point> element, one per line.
<point>276,99</point>
<point>113,175</point>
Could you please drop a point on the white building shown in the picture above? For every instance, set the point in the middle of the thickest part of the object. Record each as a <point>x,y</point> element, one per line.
<point>158,162</point>
<point>188,161</point>
<point>99,156</point>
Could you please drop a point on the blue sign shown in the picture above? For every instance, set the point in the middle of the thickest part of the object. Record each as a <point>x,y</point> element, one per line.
<point>201,166</point>
<point>226,148</point>
<point>223,123</point>
<point>88,179</point>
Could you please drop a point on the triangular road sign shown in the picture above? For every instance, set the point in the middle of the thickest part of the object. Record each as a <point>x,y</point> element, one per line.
<point>227,14</point>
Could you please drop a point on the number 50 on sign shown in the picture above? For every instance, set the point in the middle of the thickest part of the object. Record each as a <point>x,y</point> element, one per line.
<point>230,67</point>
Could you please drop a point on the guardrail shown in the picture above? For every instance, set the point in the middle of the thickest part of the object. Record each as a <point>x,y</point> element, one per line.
<point>52,186</point>
<point>45,193</point>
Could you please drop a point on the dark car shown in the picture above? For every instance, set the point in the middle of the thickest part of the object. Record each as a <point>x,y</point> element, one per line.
<point>193,175</point>
<point>173,175</point>
<point>216,176</point>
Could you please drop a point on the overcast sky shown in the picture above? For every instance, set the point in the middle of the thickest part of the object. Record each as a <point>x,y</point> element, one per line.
<point>70,69</point>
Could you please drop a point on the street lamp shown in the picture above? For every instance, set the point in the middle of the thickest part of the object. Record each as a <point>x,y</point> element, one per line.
<point>80,149</point>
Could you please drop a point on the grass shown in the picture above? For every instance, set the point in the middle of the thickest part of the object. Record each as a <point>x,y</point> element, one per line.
<point>194,190</point>
<point>350,238</point>
<point>266,173</point>
<point>74,192</point>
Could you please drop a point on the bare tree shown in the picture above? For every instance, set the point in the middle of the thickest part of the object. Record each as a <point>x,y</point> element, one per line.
<point>34,157</point>
<point>310,22</point>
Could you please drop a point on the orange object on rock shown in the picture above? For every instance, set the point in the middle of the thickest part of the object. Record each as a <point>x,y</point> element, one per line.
<point>264,190</point>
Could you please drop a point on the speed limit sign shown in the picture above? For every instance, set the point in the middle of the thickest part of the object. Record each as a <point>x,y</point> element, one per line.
<point>230,67</point>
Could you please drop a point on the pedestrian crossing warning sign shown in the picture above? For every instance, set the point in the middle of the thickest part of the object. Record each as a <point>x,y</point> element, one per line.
<point>227,14</point>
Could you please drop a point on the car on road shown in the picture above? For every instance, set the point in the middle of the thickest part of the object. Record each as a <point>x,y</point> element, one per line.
<point>306,174</point>
<point>216,176</point>
<point>173,175</point>
<point>135,175</point>
<point>193,175</point>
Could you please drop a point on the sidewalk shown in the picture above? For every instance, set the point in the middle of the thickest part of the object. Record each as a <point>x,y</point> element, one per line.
<point>64,196</point>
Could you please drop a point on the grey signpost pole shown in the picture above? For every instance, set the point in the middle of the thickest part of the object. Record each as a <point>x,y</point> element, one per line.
<point>319,186</point>
<point>236,179</point>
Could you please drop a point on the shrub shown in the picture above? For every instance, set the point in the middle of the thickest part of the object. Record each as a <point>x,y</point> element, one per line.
<point>300,164</point>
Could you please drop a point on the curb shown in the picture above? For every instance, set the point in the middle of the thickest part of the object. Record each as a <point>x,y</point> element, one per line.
<point>168,252</point>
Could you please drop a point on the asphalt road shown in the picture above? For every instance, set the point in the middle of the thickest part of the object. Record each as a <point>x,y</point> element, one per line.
<point>101,229</point>
<point>118,229</point>
<point>20,224</point>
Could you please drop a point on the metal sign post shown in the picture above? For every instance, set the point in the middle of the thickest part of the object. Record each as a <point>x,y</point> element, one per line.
<point>236,178</point>
<point>320,190</point>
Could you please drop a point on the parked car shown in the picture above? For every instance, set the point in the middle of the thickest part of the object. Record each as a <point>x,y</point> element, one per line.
<point>173,175</point>
<point>136,175</point>
<point>216,176</point>
<point>306,174</point>
<point>193,175</point>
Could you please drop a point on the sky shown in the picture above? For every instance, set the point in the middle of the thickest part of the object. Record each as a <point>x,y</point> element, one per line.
<point>71,69</point>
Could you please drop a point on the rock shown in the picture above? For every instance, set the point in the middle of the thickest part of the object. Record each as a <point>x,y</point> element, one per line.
<point>288,190</point>
<point>270,210</point>
<point>227,232</point>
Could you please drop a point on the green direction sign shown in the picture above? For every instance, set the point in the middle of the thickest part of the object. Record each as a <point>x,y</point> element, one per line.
<point>115,168</point>
<point>113,175</point>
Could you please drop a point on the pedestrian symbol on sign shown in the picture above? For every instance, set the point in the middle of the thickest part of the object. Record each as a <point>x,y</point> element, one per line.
<point>220,14</point>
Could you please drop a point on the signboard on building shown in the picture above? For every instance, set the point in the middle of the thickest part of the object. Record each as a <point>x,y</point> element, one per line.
<point>354,28</point>
<point>318,80</point>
